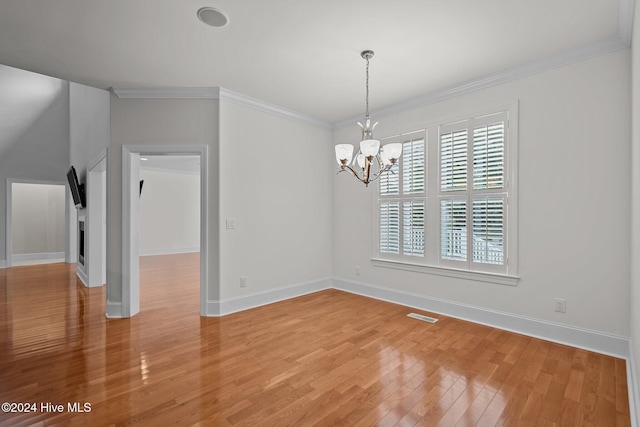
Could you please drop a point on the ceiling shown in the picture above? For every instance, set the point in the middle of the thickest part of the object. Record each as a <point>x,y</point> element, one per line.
<point>304,55</point>
<point>171,163</point>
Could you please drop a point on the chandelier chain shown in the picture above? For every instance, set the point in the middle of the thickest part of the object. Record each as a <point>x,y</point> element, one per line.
<point>367,87</point>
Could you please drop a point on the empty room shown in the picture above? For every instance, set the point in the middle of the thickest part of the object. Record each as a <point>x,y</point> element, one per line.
<point>300,213</point>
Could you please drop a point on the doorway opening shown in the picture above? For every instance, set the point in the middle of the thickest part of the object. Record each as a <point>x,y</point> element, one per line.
<point>36,218</point>
<point>133,191</point>
<point>169,229</point>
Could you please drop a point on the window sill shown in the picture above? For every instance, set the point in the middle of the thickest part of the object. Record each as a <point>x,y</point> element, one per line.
<point>500,279</point>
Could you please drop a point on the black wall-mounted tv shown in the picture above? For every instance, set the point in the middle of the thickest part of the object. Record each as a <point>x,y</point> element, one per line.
<point>77,189</point>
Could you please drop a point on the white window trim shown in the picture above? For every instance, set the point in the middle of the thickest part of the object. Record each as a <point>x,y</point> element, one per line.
<point>430,264</point>
<point>477,276</point>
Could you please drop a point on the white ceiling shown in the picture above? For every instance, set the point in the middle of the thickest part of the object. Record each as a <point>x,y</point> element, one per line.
<point>171,163</point>
<point>303,55</point>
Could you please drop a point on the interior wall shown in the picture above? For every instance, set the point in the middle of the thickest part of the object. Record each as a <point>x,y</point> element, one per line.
<point>634,301</point>
<point>34,136</point>
<point>38,216</point>
<point>574,207</point>
<point>89,136</point>
<point>275,186</point>
<point>159,122</point>
<point>169,212</point>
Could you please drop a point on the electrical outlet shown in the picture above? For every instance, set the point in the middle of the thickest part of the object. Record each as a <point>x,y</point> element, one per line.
<point>243,281</point>
<point>561,305</point>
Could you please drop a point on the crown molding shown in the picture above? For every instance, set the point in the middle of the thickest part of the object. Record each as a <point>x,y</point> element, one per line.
<point>602,47</point>
<point>167,93</point>
<point>247,101</point>
<point>218,93</point>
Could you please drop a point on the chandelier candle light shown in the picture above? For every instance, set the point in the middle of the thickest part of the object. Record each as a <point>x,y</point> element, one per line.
<point>385,156</point>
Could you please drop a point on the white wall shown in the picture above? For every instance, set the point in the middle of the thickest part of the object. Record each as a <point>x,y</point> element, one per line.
<point>634,301</point>
<point>574,191</point>
<point>159,122</point>
<point>169,212</point>
<point>274,182</point>
<point>89,126</point>
<point>34,135</point>
<point>89,139</point>
<point>38,213</point>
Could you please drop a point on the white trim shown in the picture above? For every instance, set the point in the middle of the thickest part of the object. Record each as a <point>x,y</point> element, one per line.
<point>632,388</point>
<point>3,264</point>
<point>114,310</point>
<point>83,277</point>
<point>171,251</point>
<point>130,232</point>
<point>478,276</point>
<point>246,302</point>
<point>247,101</point>
<point>94,256</point>
<point>35,256</point>
<point>601,47</point>
<point>587,339</point>
<point>167,93</point>
<point>219,94</point>
<point>8,248</point>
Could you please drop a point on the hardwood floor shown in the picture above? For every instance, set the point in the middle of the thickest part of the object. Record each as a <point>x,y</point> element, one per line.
<point>328,358</point>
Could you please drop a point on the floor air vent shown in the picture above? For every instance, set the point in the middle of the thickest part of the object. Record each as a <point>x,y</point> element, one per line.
<point>423,318</point>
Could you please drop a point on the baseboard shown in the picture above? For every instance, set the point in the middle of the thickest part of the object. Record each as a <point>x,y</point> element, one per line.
<point>246,302</point>
<point>599,342</point>
<point>82,276</point>
<point>632,387</point>
<point>3,263</point>
<point>170,251</point>
<point>35,256</point>
<point>114,310</point>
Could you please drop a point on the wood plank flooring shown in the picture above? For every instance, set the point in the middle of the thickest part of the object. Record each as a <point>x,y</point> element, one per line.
<point>328,358</point>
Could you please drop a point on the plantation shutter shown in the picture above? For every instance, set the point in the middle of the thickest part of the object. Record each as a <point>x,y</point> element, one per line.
<point>413,167</point>
<point>453,229</point>
<point>453,160</point>
<point>488,230</point>
<point>413,216</point>
<point>390,227</point>
<point>402,202</point>
<point>488,156</point>
<point>390,183</point>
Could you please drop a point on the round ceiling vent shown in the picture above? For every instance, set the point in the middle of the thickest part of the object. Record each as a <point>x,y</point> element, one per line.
<point>213,17</point>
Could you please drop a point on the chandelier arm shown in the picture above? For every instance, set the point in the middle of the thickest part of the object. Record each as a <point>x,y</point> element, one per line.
<point>381,171</point>
<point>350,169</point>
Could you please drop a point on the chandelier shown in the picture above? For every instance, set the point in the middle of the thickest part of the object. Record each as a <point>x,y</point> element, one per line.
<point>372,160</point>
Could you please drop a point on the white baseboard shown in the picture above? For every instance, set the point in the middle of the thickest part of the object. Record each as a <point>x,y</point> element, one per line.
<point>246,302</point>
<point>3,263</point>
<point>170,251</point>
<point>632,387</point>
<point>34,256</point>
<point>600,342</point>
<point>114,310</point>
<point>82,276</point>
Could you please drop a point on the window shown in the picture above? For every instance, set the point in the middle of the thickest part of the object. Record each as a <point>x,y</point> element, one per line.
<point>402,202</point>
<point>450,204</point>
